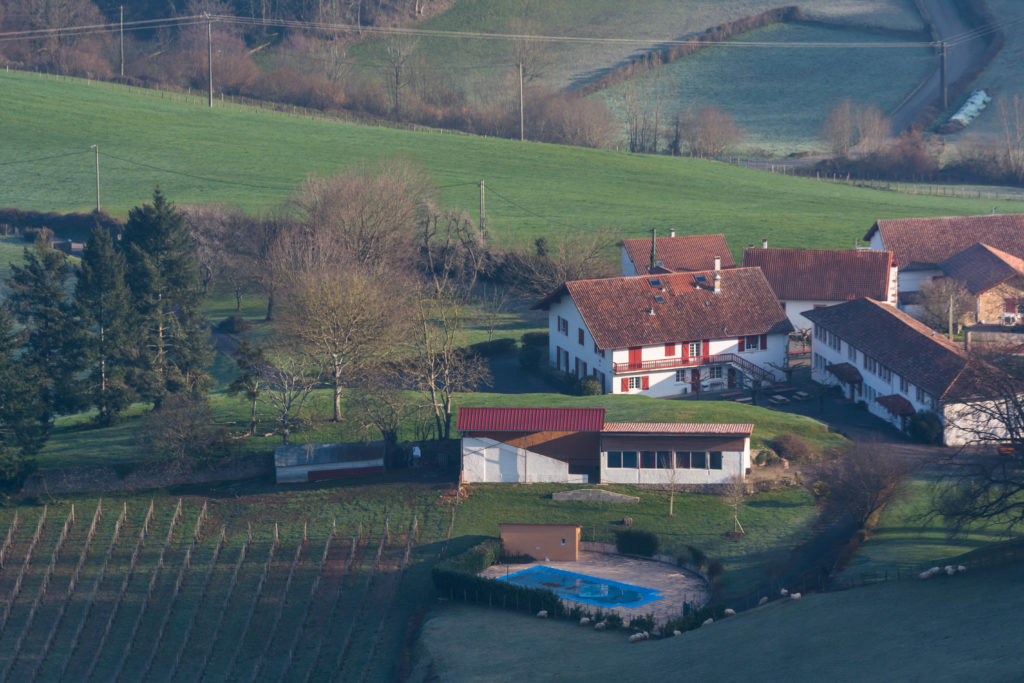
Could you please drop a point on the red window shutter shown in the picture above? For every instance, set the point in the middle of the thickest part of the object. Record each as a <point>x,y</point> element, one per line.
<point>670,349</point>
<point>764,342</point>
<point>706,348</point>
<point>1009,305</point>
<point>742,343</point>
<point>686,349</point>
<point>625,384</point>
<point>646,382</point>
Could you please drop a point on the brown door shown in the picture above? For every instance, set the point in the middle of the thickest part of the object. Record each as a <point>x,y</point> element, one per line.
<point>732,378</point>
<point>695,380</point>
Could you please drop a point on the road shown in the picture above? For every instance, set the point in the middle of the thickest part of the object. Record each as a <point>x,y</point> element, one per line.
<point>961,57</point>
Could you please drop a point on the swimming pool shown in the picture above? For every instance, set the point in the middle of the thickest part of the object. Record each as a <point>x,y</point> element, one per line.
<point>582,588</point>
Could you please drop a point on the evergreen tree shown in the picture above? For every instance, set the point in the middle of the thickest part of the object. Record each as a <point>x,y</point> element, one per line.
<point>40,302</point>
<point>102,303</point>
<point>23,415</point>
<point>162,274</point>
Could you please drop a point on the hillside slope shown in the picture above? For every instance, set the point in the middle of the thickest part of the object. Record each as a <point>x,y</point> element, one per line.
<point>254,158</point>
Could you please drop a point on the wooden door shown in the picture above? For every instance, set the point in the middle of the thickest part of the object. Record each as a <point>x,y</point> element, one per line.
<point>635,357</point>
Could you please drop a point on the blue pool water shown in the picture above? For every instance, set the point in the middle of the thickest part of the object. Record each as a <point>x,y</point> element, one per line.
<point>582,588</point>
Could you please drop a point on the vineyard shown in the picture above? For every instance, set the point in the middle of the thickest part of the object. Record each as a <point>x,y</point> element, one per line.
<point>167,590</point>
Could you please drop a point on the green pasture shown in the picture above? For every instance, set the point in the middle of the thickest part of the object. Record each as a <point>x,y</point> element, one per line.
<point>254,158</point>
<point>778,94</point>
<point>483,68</point>
<point>908,539</point>
<point>945,629</point>
<point>774,523</point>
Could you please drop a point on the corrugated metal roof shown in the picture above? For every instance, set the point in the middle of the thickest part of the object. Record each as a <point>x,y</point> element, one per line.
<point>530,419</point>
<point>676,428</point>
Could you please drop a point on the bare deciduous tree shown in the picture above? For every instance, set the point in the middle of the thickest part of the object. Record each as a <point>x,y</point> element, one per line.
<point>398,49</point>
<point>945,304</point>
<point>574,256</point>
<point>289,382</point>
<point>642,105</point>
<point>1011,119</point>
<point>711,131</point>
<point>734,491</point>
<point>838,128</point>
<point>863,479</point>
<point>848,125</point>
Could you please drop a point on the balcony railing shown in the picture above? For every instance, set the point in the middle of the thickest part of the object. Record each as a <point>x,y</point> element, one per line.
<point>743,364</point>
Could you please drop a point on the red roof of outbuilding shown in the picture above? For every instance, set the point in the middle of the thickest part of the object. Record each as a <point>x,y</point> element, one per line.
<point>621,312</point>
<point>530,419</point>
<point>922,243</point>
<point>823,274</point>
<point>691,428</point>
<point>682,253</point>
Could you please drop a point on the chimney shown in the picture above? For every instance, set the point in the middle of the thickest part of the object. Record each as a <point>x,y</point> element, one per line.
<point>654,253</point>
<point>650,311</point>
<point>718,283</point>
<point>718,263</point>
<point>672,232</point>
<point>764,244</point>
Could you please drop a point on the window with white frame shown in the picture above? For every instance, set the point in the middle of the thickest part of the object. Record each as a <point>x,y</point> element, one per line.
<point>920,395</point>
<point>563,326</point>
<point>834,342</point>
<point>715,372</point>
<point>597,351</point>
<point>904,386</point>
<point>752,343</point>
<point>693,349</point>
<point>682,375</point>
<point>851,353</point>
<point>636,382</point>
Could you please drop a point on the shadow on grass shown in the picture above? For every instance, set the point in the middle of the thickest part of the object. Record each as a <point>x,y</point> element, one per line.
<point>774,504</point>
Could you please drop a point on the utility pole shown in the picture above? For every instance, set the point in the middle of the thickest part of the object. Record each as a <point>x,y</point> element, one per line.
<point>209,52</point>
<point>122,41</point>
<point>97,149</point>
<point>522,135</point>
<point>483,216</point>
<point>944,86</point>
<point>950,316</point>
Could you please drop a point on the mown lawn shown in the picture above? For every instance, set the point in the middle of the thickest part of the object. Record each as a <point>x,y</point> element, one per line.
<point>774,523</point>
<point>254,158</point>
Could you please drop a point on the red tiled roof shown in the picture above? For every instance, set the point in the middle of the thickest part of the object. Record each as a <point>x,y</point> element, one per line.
<point>909,348</point>
<point>530,419</point>
<point>681,253</point>
<point>897,405</point>
<point>845,373</point>
<point>823,274</point>
<point>922,243</point>
<point>677,428</point>
<point>981,267</point>
<point>622,312</point>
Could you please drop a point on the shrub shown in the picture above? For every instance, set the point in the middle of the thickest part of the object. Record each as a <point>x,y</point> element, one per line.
<point>495,347</point>
<point>613,620</point>
<point>235,324</point>
<point>697,557</point>
<point>715,569</point>
<point>529,356</point>
<point>792,447</point>
<point>766,456</point>
<point>570,384</point>
<point>535,339</point>
<point>925,427</point>
<point>636,542</point>
<point>644,623</point>
<point>820,490</point>
<point>589,386</point>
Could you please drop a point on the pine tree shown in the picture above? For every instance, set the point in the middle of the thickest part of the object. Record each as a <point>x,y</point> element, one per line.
<point>23,415</point>
<point>40,302</point>
<point>102,303</point>
<point>162,274</point>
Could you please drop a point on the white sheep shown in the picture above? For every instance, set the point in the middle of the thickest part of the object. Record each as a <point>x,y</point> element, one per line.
<point>708,622</point>
<point>601,625</point>
<point>949,570</point>
<point>729,612</point>
<point>543,614</point>
<point>677,632</point>
<point>763,601</point>
<point>794,596</point>
<point>636,637</point>
<point>960,568</point>
<point>584,621</point>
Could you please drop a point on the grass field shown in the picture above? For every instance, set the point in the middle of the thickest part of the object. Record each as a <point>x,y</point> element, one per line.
<point>774,523</point>
<point>481,67</point>
<point>944,629</point>
<point>906,540</point>
<point>779,96</point>
<point>254,158</point>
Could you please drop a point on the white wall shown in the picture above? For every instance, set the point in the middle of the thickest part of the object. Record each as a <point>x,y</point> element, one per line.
<point>796,307</point>
<point>567,309</point>
<point>880,386</point>
<point>487,460</point>
<point>967,423</point>
<point>733,463</point>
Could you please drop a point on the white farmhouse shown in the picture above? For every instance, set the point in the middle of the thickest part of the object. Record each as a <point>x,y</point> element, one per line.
<point>643,256</point>
<point>898,366</point>
<point>805,279</point>
<point>670,334</point>
<point>920,245</point>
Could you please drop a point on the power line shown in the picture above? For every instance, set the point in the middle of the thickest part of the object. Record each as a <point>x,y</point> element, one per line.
<point>46,158</point>
<point>197,177</point>
<point>491,190</point>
